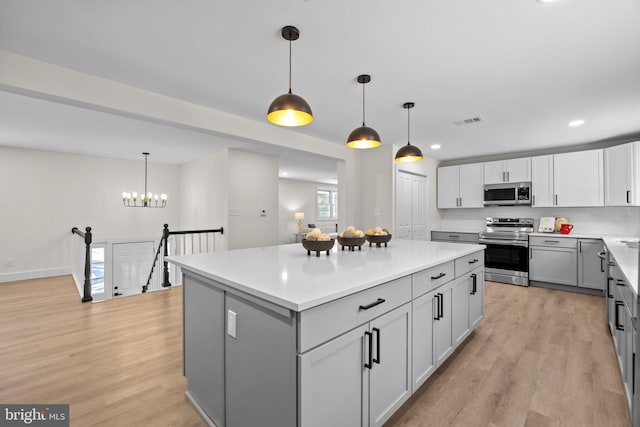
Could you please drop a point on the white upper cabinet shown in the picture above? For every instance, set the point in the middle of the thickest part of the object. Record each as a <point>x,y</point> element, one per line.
<point>448,187</point>
<point>460,186</point>
<point>542,181</point>
<point>621,177</point>
<point>578,178</point>
<point>512,170</point>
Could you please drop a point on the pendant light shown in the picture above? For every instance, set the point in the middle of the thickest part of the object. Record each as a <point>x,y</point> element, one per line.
<point>290,109</point>
<point>408,153</point>
<point>147,200</point>
<point>364,136</point>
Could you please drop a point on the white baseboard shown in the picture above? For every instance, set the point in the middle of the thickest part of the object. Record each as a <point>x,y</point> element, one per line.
<point>35,274</point>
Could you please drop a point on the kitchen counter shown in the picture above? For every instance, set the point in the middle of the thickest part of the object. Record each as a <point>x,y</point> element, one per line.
<point>570,235</point>
<point>626,257</point>
<point>286,276</point>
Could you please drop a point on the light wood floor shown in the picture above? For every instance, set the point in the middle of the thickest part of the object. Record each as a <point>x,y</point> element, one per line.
<point>539,358</point>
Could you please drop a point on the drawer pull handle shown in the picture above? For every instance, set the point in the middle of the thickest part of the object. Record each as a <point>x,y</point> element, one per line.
<point>617,316</point>
<point>473,261</point>
<point>620,282</point>
<point>373,304</point>
<point>439,276</point>
<point>552,241</point>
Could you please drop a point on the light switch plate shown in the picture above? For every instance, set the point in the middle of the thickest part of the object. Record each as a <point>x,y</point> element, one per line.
<point>231,323</point>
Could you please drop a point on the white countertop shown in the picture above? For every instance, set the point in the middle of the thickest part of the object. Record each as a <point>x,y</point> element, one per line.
<point>626,258</point>
<point>285,275</point>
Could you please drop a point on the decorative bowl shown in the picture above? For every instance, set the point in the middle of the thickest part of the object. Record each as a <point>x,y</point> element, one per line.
<point>318,246</point>
<point>378,240</point>
<point>351,242</point>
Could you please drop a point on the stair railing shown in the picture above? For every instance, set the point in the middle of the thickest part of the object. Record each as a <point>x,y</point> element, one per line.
<point>163,247</point>
<point>87,236</point>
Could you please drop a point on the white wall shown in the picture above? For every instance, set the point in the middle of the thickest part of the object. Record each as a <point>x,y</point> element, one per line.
<point>252,186</point>
<point>43,195</point>
<point>299,196</point>
<point>204,195</point>
<point>600,221</point>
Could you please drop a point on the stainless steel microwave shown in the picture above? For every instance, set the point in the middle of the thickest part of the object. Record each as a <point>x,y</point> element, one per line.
<point>508,194</point>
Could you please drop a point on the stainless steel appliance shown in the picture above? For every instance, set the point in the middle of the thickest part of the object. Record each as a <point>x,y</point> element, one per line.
<point>508,194</point>
<point>506,258</point>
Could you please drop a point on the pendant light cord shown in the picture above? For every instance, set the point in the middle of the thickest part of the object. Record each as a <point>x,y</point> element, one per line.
<point>408,126</point>
<point>145,174</point>
<point>363,104</point>
<point>289,66</point>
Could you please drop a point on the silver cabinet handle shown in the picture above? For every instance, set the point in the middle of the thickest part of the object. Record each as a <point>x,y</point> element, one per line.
<point>580,247</point>
<point>508,176</point>
<point>533,201</point>
<point>555,199</point>
<point>530,253</point>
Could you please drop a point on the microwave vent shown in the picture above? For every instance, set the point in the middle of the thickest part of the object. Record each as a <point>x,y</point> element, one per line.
<point>467,121</point>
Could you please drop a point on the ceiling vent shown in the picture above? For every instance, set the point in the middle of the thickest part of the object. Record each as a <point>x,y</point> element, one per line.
<point>467,121</point>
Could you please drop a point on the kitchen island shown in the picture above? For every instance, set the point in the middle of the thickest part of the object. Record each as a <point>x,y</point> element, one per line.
<point>275,337</point>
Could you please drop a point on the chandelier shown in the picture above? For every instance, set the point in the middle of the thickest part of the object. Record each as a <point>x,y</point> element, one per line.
<point>146,200</point>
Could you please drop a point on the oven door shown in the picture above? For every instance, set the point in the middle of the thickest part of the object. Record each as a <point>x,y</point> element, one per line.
<point>507,261</point>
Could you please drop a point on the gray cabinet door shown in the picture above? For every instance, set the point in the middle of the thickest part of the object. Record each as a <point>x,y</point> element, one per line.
<point>460,308</point>
<point>390,374</point>
<point>443,341</point>
<point>553,265</point>
<point>424,362</point>
<point>476,298</point>
<point>590,266</point>
<point>334,384</point>
<point>203,325</point>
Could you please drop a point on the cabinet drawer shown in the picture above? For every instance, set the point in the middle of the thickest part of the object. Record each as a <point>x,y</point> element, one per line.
<point>553,241</point>
<point>324,322</point>
<point>445,236</point>
<point>467,263</point>
<point>426,280</point>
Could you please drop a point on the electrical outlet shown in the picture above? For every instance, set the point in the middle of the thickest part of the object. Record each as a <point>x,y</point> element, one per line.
<point>231,323</point>
<point>8,262</point>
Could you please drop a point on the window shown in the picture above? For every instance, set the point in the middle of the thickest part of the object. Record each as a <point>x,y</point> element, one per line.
<point>327,204</point>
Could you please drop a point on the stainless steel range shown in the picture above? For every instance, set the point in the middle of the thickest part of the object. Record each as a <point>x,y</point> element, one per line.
<point>506,258</point>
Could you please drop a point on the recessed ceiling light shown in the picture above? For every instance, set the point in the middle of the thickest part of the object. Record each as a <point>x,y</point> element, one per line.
<point>546,1</point>
<point>284,173</point>
<point>435,146</point>
<point>576,123</point>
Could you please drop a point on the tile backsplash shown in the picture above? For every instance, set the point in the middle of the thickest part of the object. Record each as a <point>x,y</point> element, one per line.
<point>601,221</point>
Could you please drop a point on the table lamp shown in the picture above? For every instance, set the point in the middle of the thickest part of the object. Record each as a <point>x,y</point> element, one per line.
<point>299,216</point>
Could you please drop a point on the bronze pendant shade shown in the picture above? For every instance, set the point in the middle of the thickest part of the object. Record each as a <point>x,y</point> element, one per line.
<point>363,137</point>
<point>290,109</point>
<point>408,153</point>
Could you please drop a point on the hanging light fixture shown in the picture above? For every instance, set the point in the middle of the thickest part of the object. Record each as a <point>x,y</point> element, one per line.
<point>290,109</point>
<point>147,200</point>
<point>364,136</point>
<point>408,153</point>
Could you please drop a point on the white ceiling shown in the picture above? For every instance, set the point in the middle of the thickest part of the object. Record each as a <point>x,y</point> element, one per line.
<point>525,68</point>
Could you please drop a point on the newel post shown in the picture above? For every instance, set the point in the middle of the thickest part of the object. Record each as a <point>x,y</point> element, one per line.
<point>165,242</point>
<point>87,266</point>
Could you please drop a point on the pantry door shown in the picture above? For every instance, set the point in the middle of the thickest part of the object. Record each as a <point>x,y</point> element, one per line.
<point>131,267</point>
<point>411,206</point>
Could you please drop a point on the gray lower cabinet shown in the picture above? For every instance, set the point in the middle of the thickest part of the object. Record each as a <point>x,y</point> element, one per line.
<point>456,237</point>
<point>553,260</point>
<point>476,297</point>
<point>337,388</point>
<point>590,266</point>
<point>425,310</point>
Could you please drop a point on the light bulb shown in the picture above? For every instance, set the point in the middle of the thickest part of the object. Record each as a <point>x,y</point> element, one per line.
<point>135,195</point>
